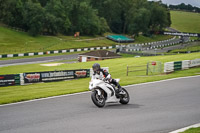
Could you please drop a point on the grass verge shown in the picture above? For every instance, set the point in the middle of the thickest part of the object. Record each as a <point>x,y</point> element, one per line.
<point>192,130</point>
<point>117,68</point>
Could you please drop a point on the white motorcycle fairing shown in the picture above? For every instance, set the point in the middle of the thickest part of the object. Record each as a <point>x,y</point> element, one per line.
<point>97,84</point>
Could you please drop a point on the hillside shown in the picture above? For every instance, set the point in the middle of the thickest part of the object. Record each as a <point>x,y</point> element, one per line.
<point>185,21</point>
<point>12,41</point>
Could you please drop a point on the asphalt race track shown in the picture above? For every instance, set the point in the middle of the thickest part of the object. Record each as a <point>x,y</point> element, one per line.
<point>158,107</point>
<point>37,60</point>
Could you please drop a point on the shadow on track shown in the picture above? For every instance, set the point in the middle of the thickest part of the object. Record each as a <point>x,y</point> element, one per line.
<point>121,106</point>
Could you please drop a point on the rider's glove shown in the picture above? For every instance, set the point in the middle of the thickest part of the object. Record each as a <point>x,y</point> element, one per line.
<point>104,79</point>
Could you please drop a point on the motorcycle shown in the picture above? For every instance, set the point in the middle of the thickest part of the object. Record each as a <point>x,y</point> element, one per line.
<point>103,92</point>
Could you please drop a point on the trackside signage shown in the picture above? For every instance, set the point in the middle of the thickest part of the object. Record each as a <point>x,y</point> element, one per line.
<point>50,76</point>
<point>32,77</point>
<point>57,75</point>
<point>182,34</point>
<point>9,80</point>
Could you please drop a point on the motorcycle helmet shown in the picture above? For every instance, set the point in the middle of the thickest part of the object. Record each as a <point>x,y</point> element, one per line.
<point>96,67</point>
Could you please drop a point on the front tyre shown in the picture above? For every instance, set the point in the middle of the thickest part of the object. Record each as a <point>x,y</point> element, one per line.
<point>125,98</point>
<point>99,101</point>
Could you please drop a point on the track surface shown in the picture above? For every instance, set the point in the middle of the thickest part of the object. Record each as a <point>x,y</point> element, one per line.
<point>158,107</point>
<point>37,60</point>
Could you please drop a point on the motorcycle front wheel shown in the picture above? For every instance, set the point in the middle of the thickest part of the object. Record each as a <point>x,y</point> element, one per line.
<point>125,99</point>
<point>98,100</point>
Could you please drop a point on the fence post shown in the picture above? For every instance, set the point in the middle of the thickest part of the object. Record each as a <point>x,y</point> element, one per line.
<point>147,68</point>
<point>127,71</point>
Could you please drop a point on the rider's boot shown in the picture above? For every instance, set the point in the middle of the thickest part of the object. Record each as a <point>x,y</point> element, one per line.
<point>120,90</point>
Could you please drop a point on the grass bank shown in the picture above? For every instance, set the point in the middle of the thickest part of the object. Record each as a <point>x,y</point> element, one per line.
<point>20,42</point>
<point>185,21</point>
<point>117,68</point>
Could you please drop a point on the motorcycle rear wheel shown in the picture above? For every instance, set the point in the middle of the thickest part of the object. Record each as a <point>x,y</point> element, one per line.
<point>99,101</point>
<point>125,99</point>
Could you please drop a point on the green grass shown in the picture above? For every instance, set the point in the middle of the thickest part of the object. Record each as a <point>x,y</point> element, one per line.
<point>20,42</point>
<point>185,21</point>
<point>127,55</point>
<point>192,130</point>
<point>154,38</point>
<point>12,42</point>
<point>117,69</point>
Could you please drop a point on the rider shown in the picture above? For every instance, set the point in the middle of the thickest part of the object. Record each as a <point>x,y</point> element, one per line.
<point>103,74</point>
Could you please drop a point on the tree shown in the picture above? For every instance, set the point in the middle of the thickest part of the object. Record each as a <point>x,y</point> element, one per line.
<point>43,2</point>
<point>90,17</point>
<point>2,6</point>
<point>33,17</point>
<point>85,19</point>
<point>159,17</point>
<point>56,19</point>
<point>11,13</point>
<point>140,22</point>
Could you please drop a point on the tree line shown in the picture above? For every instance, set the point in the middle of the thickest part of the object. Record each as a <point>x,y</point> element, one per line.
<point>185,7</point>
<point>89,17</point>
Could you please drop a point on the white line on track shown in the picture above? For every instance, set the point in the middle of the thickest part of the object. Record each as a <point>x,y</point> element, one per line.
<point>33,62</point>
<point>89,91</point>
<point>185,128</point>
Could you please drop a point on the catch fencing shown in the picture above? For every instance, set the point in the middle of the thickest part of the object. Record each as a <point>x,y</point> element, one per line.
<point>151,68</point>
<point>137,70</point>
<point>154,67</point>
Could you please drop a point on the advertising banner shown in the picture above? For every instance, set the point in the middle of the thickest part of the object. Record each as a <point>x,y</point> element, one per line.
<point>82,73</point>
<point>57,75</point>
<point>35,77</point>
<point>8,80</point>
<point>32,77</point>
<point>181,34</point>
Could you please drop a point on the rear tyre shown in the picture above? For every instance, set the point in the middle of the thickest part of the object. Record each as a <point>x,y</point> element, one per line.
<point>125,98</point>
<point>99,101</point>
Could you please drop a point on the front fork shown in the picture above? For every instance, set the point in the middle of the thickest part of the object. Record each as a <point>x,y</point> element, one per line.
<point>98,92</point>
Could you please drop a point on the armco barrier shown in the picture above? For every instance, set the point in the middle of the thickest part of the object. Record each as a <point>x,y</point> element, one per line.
<point>186,64</point>
<point>169,67</point>
<point>177,65</point>
<point>180,65</point>
<point>195,63</point>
